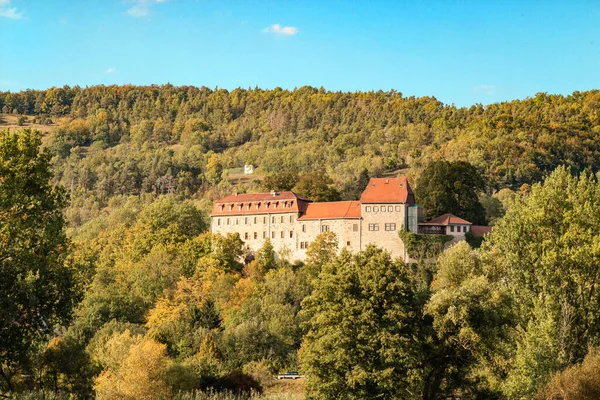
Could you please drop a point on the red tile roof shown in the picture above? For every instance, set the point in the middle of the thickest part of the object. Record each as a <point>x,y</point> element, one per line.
<point>332,210</point>
<point>236,204</point>
<point>480,230</point>
<point>446,219</point>
<point>388,190</point>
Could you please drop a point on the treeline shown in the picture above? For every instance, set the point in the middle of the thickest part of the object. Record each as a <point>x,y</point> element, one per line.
<point>132,139</point>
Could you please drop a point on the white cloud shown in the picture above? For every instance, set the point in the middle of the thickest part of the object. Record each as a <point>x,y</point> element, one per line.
<point>484,89</point>
<point>281,30</point>
<point>7,11</point>
<point>141,8</point>
<point>111,70</point>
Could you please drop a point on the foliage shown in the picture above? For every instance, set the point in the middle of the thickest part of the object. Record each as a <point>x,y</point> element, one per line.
<point>360,341</point>
<point>545,250</point>
<point>423,247</point>
<point>451,187</point>
<point>37,286</point>
<point>578,382</point>
<point>316,186</point>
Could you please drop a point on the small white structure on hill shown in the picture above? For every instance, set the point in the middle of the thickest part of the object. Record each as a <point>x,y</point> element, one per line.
<point>248,169</point>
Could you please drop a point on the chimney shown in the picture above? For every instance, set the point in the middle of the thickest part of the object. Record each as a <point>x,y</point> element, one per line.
<point>273,193</point>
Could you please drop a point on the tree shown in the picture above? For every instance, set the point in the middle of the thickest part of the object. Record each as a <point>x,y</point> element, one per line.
<point>316,186</point>
<point>578,382</point>
<point>137,370</point>
<point>37,288</point>
<point>321,251</point>
<point>363,319</point>
<point>207,316</point>
<point>471,323</point>
<point>281,181</point>
<point>545,251</point>
<point>451,187</point>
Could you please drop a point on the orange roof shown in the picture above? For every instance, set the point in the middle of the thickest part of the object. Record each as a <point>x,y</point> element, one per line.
<point>446,219</point>
<point>388,190</point>
<point>480,230</point>
<point>259,203</point>
<point>331,210</point>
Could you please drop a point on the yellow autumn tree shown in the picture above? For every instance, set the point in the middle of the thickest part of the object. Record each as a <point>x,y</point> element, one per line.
<point>135,368</point>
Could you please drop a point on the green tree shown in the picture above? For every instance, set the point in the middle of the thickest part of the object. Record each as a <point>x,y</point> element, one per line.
<point>316,186</point>
<point>546,252</point>
<point>451,187</point>
<point>321,251</point>
<point>281,181</point>
<point>363,321</point>
<point>37,288</point>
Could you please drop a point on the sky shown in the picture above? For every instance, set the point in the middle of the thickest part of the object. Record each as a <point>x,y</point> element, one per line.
<point>461,52</point>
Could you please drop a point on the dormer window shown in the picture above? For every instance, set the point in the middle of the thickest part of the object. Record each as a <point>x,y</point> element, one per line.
<point>267,206</point>
<point>240,207</point>
<point>248,206</point>
<point>221,207</point>
<point>258,206</point>
<point>291,203</point>
<point>275,205</point>
<point>231,207</point>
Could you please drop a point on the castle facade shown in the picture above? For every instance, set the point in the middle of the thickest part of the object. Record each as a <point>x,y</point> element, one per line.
<point>292,222</point>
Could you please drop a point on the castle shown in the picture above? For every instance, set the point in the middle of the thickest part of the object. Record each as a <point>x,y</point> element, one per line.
<point>292,222</point>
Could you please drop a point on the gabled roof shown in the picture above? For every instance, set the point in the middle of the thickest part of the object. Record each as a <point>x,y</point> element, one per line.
<point>388,190</point>
<point>446,219</point>
<point>260,203</point>
<point>332,210</point>
<point>480,230</point>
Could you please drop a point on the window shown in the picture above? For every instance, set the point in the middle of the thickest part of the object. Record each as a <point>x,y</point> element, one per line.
<point>237,221</point>
<point>264,220</point>
<point>291,234</point>
<point>324,228</point>
<point>273,235</point>
<point>390,227</point>
<point>451,228</point>
<point>227,221</point>
<point>245,220</point>
<point>373,227</point>
<point>291,218</point>
<point>303,228</point>
<point>254,220</point>
<point>230,207</point>
<point>301,245</point>
<point>304,245</point>
<point>221,207</point>
<point>368,208</point>
<point>248,206</point>
<point>257,206</point>
<point>272,220</point>
<point>355,227</point>
<point>282,234</point>
<point>219,221</point>
<point>255,235</point>
<point>282,217</point>
<point>347,243</point>
<point>240,207</point>
<point>390,208</point>
<point>398,208</point>
<point>246,236</point>
<point>464,229</point>
<point>375,209</point>
<point>264,235</point>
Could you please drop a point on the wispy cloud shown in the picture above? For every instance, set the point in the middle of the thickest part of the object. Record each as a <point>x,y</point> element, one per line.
<point>141,8</point>
<point>281,30</point>
<point>7,11</point>
<point>484,89</point>
<point>111,70</point>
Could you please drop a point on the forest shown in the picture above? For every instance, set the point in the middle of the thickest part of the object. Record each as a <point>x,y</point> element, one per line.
<point>113,287</point>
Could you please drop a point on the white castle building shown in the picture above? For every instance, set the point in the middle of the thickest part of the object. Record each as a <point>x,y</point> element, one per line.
<point>291,221</point>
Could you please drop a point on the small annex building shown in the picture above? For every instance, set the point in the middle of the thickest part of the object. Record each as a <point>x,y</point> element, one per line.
<point>292,221</point>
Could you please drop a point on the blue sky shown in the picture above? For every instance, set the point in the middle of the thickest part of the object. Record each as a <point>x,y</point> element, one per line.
<point>461,52</point>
